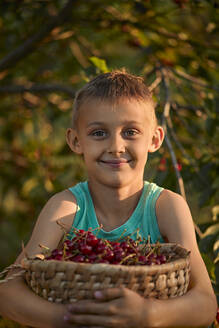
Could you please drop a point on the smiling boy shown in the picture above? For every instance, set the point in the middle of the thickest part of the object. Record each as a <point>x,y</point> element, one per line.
<point>114,128</point>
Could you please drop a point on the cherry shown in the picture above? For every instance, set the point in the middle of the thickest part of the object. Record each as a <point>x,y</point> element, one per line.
<point>85,249</point>
<point>70,244</point>
<point>115,262</point>
<point>217,316</point>
<point>81,232</point>
<point>114,244</point>
<point>162,258</point>
<point>119,254</point>
<point>93,257</point>
<point>103,261</point>
<point>101,248</point>
<point>56,252</point>
<point>91,240</point>
<point>126,247</point>
<point>58,257</point>
<point>78,258</point>
<point>142,259</point>
<point>109,255</point>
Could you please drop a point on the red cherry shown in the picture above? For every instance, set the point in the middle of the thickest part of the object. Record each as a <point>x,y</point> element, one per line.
<point>92,257</point>
<point>85,249</point>
<point>162,258</point>
<point>58,257</point>
<point>49,258</point>
<point>78,258</point>
<point>101,248</point>
<point>109,255</point>
<point>100,242</point>
<point>217,316</point>
<point>119,254</point>
<point>151,256</point>
<point>142,259</point>
<point>115,262</point>
<point>70,244</point>
<point>116,247</point>
<point>56,252</point>
<point>92,240</point>
<point>80,233</point>
<point>179,166</point>
<point>103,261</point>
<point>115,244</point>
<point>126,247</point>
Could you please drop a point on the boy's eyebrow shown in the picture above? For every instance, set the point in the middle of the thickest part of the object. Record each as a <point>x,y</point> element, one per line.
<point>95,123</point>
<point>104,123</point>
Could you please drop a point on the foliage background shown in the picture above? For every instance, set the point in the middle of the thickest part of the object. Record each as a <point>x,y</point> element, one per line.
<point>50,48</point>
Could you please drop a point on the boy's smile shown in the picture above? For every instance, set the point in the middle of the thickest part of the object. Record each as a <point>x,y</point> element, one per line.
<point>115,163</point>
<point>114,140</point>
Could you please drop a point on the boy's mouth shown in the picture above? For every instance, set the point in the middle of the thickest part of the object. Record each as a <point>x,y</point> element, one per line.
<point>117,162</point>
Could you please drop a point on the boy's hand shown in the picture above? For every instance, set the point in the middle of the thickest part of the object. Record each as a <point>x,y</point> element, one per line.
<point>116,307</point>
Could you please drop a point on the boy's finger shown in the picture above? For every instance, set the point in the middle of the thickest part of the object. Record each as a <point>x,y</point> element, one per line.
<point>109,294</point>
<point>87,307</point>
<point>92,320</point>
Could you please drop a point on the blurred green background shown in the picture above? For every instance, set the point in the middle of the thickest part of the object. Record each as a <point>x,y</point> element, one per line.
<point>50,48</point>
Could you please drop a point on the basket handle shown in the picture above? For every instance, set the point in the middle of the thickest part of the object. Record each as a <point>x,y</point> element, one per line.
<point>13,276</point>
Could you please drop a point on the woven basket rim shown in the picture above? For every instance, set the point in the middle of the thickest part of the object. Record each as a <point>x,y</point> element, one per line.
<point>68,281</point>
<point>98,267</point>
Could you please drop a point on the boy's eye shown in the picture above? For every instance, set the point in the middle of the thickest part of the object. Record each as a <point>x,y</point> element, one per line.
<point>98,133</point>
<point>130,132</point>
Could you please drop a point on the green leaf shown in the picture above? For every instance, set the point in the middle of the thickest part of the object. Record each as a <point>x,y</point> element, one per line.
<point>206,244</point>
<point>209,265</point>
<point>216,249</point>
<point>212,230</point>
<point>215,209</point>
<point>100,64</point>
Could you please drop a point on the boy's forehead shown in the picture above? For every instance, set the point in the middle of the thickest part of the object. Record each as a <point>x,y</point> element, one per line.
<point>127,110</point>
<point>114,105</point>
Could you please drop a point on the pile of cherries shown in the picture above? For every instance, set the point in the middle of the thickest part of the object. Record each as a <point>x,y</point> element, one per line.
<point>85,247</point>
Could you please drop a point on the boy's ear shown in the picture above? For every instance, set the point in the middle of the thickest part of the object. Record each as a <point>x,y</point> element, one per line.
<point>73,141</point>
<point>157,139</point>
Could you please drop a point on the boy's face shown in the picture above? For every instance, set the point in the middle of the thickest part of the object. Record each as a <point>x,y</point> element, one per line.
<point>115,140</point>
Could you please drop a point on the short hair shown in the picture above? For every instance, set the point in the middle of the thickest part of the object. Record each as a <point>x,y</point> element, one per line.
<point>112,87</point>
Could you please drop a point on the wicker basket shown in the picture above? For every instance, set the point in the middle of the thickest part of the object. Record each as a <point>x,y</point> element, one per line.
<point>67,282</point>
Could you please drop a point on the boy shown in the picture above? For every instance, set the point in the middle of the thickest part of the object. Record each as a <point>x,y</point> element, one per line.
<point>114,128</point>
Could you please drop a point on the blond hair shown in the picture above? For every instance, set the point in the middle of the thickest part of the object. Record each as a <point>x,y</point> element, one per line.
<point>112,87</point>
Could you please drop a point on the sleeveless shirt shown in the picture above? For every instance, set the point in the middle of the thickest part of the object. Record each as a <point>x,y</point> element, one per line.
<point>143,220</point>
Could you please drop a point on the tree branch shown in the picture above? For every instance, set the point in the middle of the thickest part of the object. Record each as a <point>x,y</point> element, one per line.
<point>174,160</point>
<point>167,106</point>
<point>30,44</point>
<point>184,152</point>
<point>192,108</point>
<point>155,83</point>
<point>37,88</point>
<point>166,115</point>
<point>193,79</point>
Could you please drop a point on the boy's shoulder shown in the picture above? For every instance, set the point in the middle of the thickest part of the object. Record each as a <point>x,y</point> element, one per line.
<point>62,196</point>
<point>62,206</point>
<point>173,213</point>
<point>169,202</point>
<point>170,196</point>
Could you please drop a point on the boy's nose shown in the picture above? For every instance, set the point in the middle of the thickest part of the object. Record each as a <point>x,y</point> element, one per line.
<point>116,144</point>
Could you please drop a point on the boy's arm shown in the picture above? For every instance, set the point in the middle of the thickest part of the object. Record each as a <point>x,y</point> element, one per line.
<point>198,306</point>
<point>121,307</point>
<point>20,303</point>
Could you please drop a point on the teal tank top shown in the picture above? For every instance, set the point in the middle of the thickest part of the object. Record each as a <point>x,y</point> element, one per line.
<point>142,219</point>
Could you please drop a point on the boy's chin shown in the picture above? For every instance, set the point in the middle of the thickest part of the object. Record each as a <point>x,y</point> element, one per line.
<point>118,183</point>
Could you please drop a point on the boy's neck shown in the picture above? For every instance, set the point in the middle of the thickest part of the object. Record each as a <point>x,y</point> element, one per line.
<point>114,206</point>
